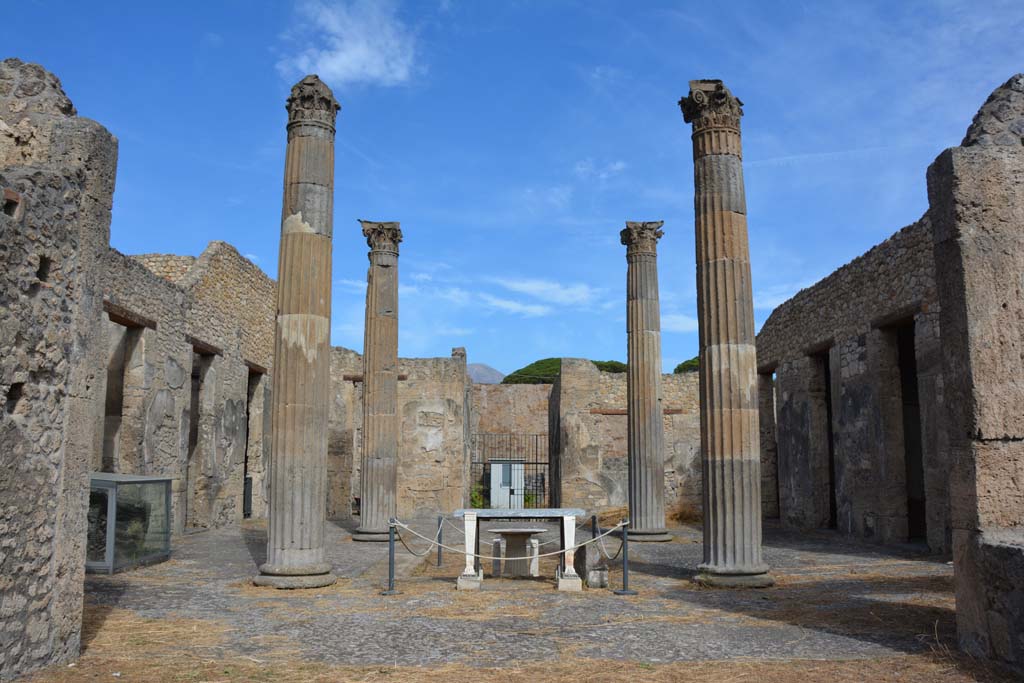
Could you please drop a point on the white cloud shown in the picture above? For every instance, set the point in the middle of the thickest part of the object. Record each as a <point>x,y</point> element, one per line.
<point>586,169</point>
<point>542,198</point>
<point>421,277</point>
<point>252,257</point>
<point>575,294</point>
<point>355,41</point>
<point>770,297</point>
<point>455,295</point>
<point>677,322</point>
<point>510,306</point>
<point>353,286</point>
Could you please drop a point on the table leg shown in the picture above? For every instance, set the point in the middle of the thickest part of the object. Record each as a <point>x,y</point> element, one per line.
<point>469,579</point>
<point>568,579</point>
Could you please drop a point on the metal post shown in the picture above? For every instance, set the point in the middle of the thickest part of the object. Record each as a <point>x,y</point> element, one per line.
<point>391,560</point>
<point>440,538</point>
<point>625,562</point>
<point>593,527</point>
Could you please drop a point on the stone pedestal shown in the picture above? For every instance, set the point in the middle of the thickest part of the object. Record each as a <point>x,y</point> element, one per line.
<point>728,359</point>
<point>379,471</point>
<point>302,347</point>
<point>646,429</point>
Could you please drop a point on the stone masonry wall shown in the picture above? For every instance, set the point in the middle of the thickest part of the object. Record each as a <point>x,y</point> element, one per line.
<point>432,469</point>
<point>844,329</point>
<point>976,197</point>
<point>57,176</point>
<point>510,408</point>
<point>589,438</point>
<point>196,378</point>
<point>168,266</point>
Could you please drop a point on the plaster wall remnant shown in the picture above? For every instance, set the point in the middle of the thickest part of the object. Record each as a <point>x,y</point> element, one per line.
<point>302,347</point>
<point>379,467</point>
<point>57,174</point>
<point>645,431</point>
<point>728,359</point>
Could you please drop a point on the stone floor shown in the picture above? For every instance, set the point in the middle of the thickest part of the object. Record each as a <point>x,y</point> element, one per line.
<point>840,608</point>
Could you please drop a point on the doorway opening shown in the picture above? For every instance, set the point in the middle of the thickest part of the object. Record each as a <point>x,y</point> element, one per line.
<point>917,525</point>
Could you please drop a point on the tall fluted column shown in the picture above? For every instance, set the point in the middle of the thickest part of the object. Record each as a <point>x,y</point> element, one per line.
<point>725,311</point>
<point>378,474</point>
<point>302,346</point>
<point>646,429</point>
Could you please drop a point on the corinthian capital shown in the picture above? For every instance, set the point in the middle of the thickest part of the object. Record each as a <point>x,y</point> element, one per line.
<point>711,103</point>
<point>382,236</point>
<point>312,100</point>
<point>642,236</point>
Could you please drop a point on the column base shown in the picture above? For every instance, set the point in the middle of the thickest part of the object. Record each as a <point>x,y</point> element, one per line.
<point>370,536</point>
<point>649,535</point>
<point>294,581</point>
<point>712,580</point>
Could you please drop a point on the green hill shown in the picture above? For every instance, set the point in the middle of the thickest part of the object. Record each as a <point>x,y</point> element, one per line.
<point>545,371</point>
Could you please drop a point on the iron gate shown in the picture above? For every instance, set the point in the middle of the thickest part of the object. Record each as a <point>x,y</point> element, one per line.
<point>524,462</point>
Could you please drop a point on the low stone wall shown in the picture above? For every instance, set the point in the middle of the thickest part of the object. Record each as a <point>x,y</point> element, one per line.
<point>588,439</point>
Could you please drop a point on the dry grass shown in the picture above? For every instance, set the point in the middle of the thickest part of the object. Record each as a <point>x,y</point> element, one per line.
<point>173,650</point>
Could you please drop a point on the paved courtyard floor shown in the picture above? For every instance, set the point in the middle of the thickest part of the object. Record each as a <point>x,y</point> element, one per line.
<point>840,611</point>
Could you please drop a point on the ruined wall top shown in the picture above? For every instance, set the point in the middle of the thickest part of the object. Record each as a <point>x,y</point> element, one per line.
<point>642,236</point>
<point>312,101</point>
<point>382,236</point>
<point>711,104</point>
<point>30,89</point>
<point>1000,121</point>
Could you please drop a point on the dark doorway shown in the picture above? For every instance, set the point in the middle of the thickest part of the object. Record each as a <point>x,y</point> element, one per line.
<point>254,382</point>
<point>201,363</point>
<point>917,526</point>
<point>824,368</point>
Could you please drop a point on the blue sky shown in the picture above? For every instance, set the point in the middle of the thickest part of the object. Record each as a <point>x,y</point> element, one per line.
<point>513,139</point>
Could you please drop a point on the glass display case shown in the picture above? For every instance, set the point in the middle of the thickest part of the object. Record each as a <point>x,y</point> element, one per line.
<point>129,521</point>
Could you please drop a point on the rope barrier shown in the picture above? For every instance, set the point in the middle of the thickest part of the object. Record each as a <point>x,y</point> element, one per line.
<point>462,551</point>
<point>425,552</point>
<point>604,551</point>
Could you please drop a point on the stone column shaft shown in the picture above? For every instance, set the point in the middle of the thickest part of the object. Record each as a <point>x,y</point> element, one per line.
<point>646,429</point>
<point>302,347</point>
<point>378,474</point>
<point>728,359</point>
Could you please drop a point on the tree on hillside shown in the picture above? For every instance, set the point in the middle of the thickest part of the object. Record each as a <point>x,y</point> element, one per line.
<point>546,371</point>
<point>692,365</point>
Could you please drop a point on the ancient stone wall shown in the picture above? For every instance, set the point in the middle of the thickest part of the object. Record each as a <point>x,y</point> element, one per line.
<point>168,266</point>
<point>56,186</point>
<point>510,408</point>
<point>588,439</point>
<point>830,363</point>
<point>432,457</point>
<point>147,433</point>
<point>976,196</point>
<point>186,395</point>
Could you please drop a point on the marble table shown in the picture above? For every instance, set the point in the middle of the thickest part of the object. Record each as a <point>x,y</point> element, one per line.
<point>472,576</point>
<point>516,563</point>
